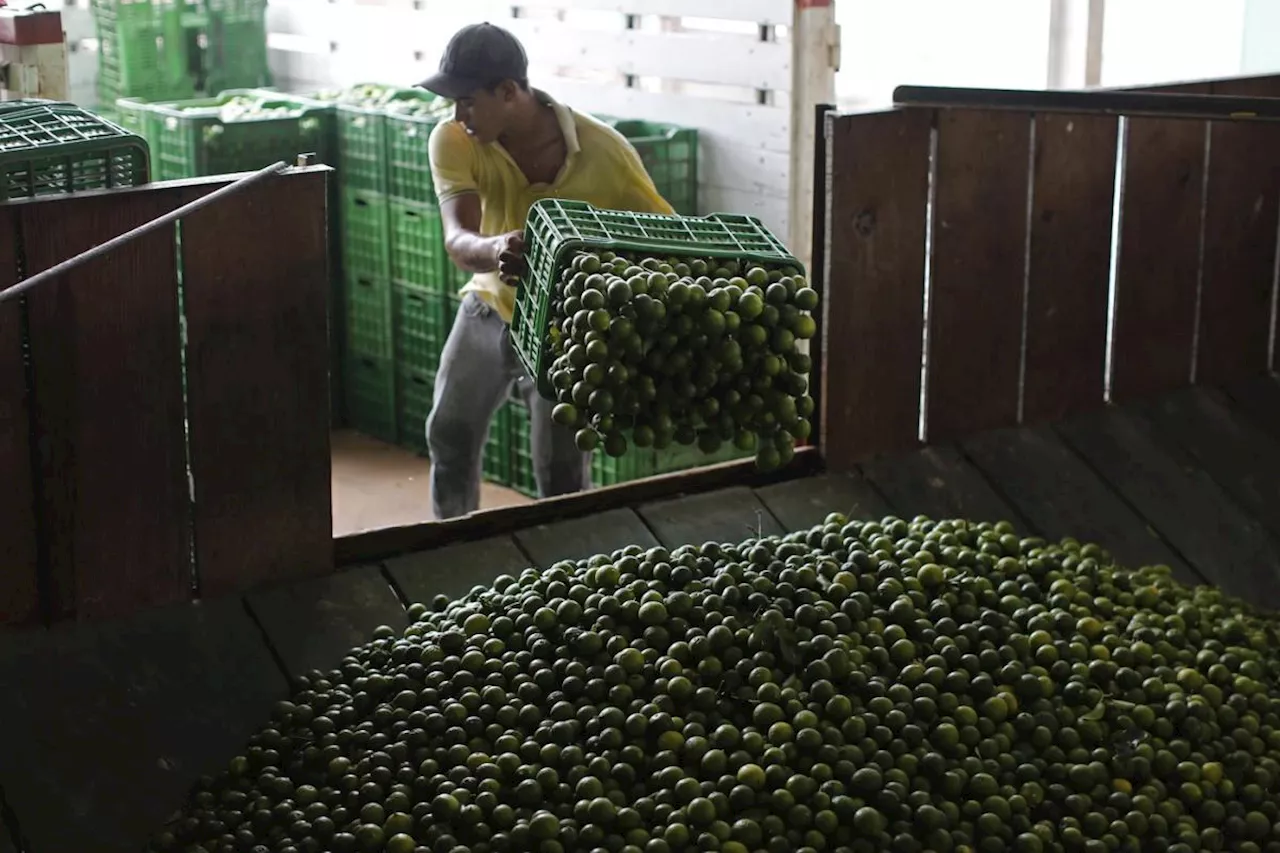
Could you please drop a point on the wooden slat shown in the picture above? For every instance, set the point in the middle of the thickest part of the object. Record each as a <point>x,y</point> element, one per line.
<point>116,719</point>
<point>699,57</point>
<point>1159,262</point>
<point>1239,242</point>
<point>19,591</point>
<point>938,482</point>
<point>1259,399</point>
<point>255,282</point>
<point>729,515</point>
<point>801,504</point>
<point>312,623</point>
<point>873,311</point>
<point>1071,217</point>
<point>757,11</point>
<point>1059,495</point>
<point>455,570</point>
<point>1222,543</point>
<point>106,346</point>
<point>1232,449</point>
<point>580,538</point>
<point>979,271</point>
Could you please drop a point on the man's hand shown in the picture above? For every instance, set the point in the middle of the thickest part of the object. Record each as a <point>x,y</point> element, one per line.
<point>509,256</point>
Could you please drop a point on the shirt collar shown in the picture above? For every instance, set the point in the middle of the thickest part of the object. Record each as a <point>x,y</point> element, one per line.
<point>568,123</point>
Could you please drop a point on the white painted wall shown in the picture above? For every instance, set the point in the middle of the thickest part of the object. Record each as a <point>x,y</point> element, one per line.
<point>1261,48</point>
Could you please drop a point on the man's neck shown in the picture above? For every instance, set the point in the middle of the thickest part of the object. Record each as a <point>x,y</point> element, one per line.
<point>533,120</point>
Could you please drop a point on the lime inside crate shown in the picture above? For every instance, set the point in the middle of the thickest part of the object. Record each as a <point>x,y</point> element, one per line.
<point>238,131</point>
<point>52,148</point>
<point>557,230</point>
<point>364,114</point>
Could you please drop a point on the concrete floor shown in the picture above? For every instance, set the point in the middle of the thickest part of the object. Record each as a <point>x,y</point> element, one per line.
<point>376,485</point>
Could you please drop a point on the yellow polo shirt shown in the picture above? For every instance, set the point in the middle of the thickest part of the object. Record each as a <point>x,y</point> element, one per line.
<point>602,169</point>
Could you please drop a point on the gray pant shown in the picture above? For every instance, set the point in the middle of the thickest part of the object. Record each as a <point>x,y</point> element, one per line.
<point>477,369</point>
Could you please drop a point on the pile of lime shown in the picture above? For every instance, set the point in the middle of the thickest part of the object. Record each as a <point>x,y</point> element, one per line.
<point>251,108</point>
<point>861,687</point>
<point>393,100</point>
<point>650,352</point>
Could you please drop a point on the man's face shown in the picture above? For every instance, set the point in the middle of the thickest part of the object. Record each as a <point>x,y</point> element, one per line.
<point>484,113</point>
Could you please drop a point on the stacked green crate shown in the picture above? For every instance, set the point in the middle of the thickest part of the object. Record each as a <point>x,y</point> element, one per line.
<point>50,148</point>
<point>236,53</point>
<point>670,154</point>
<point>141,52</point>
<point>237,131</point>
<point>520,449</point>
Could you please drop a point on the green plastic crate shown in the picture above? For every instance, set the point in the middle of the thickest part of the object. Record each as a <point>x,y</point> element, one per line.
<point>414,391</point>
<point>522,477</point>
<point>496,463</point>
<point>211,136</point>
<point>408,160</point>
<point>366,244</point>
<point>670,155</point>
<point>368,310</point>
<point>419,327</point>
<point>640,463</point>
<point>236,53</point>
<point>370,385</point>
<point>556,229</point>
<point>52,148</point>
<point>418,257</point>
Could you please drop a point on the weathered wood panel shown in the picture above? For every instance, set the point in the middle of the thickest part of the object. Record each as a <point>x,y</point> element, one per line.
<point>979,271</point>
<point>255,289</point>
<point>729,515</point>
<point>801,504</point>
<point>1158,268</point>
<point>19,587</point>
<point>1070,264</point>
<point>1241,212</point>
<point>873,311</point>
<point>105,344</point>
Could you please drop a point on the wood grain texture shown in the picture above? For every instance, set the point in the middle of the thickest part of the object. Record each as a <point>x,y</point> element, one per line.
<point>105,344</point>
<point>455,570</point>
<point>801,504</point>
<point>117,718</point>
<point>313,623</point>
<point>580,538</point>
<point>255,281</point>
<point>874,300</point>
<point>979,271</point>
<point>729,515</point>
<point>1228,445</point>
<point>1070,265</point>
<point>1059,495</point>
<point>19,587</point>
<point>1259,400</point>
<point>1158,268</point>
<point>1241,213</point>
<point>940,483</point>
<point>1223,543</point>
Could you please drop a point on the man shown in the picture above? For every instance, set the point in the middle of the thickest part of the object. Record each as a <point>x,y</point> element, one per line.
<point>508,146</point>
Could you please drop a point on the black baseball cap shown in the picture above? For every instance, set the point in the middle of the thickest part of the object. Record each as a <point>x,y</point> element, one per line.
<point>478,56</point>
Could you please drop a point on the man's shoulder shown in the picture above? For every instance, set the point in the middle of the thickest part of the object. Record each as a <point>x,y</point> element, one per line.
<point>594,134</point>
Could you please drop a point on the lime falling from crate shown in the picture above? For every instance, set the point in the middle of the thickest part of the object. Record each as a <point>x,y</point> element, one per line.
<point>652,331</point>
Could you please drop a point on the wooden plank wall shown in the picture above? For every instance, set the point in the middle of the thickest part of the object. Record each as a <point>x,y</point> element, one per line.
<point>99,521</point>
<point>970,254</point>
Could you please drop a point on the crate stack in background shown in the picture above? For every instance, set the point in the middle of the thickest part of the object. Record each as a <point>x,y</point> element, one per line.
<point>394,294</point>
<point>178,50</point>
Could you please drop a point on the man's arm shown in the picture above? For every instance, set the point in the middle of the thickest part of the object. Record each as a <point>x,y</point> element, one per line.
<point>471,250</point>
